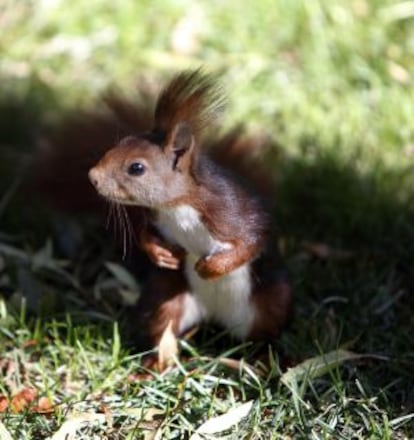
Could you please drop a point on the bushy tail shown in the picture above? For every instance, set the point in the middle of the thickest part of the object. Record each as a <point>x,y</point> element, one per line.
<point>66,155</point>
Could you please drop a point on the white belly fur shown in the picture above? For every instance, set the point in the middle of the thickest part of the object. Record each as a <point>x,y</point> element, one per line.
<point>226,300</point>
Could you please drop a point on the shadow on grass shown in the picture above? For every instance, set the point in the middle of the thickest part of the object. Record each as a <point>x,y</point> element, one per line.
<point>362,299</point>
<point>328,199</point>
<point>359,292</point>
<point>26,107</point>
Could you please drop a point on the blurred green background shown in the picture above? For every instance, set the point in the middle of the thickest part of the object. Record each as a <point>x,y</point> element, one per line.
<point>333,75</point>
<point>331,83</point>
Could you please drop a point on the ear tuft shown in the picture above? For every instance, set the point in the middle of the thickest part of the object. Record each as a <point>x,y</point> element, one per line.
<point>193,97</point>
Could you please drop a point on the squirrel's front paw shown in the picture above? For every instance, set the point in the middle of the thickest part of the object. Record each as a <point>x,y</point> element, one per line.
<point>209,267</point>
<point>165,258</point>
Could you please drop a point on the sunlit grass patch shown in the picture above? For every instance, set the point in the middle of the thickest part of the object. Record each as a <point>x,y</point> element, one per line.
<point>331,83</point>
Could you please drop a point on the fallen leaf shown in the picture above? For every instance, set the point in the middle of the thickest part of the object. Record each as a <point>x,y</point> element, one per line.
<point>167,348</point>
<point>223,422</point>
<point>23,399</point>
<point>150,421</point>
<point>70,428</point>
<point>4,403</point>
<point>4,433</point>
<point>145,414</point>
<point>123,276</point>
<point>129,297</point>
<point>44,406</point>
<point>317,366</point>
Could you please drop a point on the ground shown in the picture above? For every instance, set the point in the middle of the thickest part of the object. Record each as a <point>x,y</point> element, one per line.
<point>330,85</point>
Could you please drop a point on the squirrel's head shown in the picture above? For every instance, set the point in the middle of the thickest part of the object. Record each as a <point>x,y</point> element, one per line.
<point>145,171</point>
<point>157,169</point>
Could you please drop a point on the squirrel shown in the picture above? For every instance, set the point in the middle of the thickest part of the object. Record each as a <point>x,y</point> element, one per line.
<point>206,231</point>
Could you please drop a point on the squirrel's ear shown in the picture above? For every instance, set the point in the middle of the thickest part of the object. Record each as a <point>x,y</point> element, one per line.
<point>181,144</point>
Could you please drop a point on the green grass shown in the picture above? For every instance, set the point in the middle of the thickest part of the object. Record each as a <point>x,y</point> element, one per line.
<point>331,84</point>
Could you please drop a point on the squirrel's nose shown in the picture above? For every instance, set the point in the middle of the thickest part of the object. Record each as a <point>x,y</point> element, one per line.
<point>94,176</point>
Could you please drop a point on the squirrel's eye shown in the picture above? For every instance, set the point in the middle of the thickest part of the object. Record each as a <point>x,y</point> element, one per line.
<point>136,169</point>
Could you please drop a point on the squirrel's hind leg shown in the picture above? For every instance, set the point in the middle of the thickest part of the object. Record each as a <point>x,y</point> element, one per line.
<point>273,304</point>
<point>165,298</point>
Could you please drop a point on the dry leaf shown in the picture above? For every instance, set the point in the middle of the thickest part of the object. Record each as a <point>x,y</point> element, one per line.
<point>317,366</point>
<point>23,399</point>
<point>44,406</point>
<point>150,421</point>
<point>167,348</point>
<point>4,403</point>
<point>69,429</point>
<point>4,433</point>
<point>223,422</point>
<point>123,276</point>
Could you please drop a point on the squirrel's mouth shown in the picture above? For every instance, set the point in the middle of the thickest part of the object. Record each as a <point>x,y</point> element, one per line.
<point>119,197</point>
<point>114,198</point>
<point>110,189</point>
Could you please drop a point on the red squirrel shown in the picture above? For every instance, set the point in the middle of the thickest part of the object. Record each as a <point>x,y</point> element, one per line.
<point>207,232</point>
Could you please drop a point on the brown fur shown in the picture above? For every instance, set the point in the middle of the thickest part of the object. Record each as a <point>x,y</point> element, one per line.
<point>164,295</point>
<point>273,304</point>
<point>191,97</point>
<point>221,263</point>
<point>178,172</point>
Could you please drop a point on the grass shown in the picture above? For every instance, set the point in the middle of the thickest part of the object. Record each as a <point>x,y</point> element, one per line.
<point>331,84</point>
